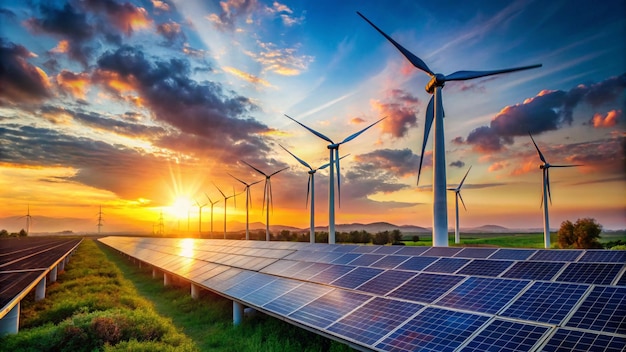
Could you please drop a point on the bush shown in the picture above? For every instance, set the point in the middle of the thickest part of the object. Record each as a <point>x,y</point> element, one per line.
<point>585,233</point>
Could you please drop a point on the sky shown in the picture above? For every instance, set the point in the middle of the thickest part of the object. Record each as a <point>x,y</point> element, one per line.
<point>144,107</point>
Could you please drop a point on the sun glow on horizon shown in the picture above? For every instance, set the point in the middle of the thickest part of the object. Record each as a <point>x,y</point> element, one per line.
<point>180,207</point>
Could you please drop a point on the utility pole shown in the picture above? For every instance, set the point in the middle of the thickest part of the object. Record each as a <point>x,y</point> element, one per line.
<point>161,225</point>
<point>100,220</point>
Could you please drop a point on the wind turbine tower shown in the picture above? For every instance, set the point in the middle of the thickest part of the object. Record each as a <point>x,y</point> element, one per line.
<point>248,202</point>
<point>200,217</point>
<point>435,114</point>
<point>545,192</point>
<point>267,196</point>
<point>29,219</point>
<point>212,204</point>
<point>161,224</point>
<point>226,198</point>
<point>457,196</point>
<point>334,156</point>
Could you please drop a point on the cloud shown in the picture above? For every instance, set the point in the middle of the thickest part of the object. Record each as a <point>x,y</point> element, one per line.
<point>397,162</point>
<point>160,5</point>
<point>457,163</point>
<point>232,11</point>
<point>76,84</point>
<point>126,17</point>
<point>283,61</point>
<point>247,76</point>
<point>401,109</point>
<point>20,81</point>
<point>172,33</point>
<point>609,120</point>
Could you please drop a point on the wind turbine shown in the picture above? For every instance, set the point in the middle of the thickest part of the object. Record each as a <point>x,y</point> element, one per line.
<point>545,192</point>
<point>457,194</point>
<point>29,218</point>
<point>226,198</point>
<point>434,113</point>
<point>267,196</point>
<point>100,213</point>
<point>248,202</point>
<point>200,216</point>
<point>311,188</point>
<point>212,204</point>
<point>334,155</point>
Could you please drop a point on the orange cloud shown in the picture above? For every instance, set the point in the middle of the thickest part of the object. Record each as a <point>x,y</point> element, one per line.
<point>356,120</point>
<point>76,84</point>
<point>609,120</point>
<point>61,48</point>
<point>499,165</point>
<point>247,76</point>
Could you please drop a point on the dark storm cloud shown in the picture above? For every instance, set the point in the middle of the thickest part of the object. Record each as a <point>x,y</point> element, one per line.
<point>401,110</point>
<point>457,163</point>
<point>124,128</point>
<point>548,111</point>
<point>20,81</point>
<point>398,162</point>
<point>126,17</point>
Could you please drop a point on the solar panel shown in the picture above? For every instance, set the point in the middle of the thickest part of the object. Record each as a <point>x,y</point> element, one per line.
<point>412,250</point>
<point>366,259</point>
<point>557,255</point>
<point>387,249</point>
<point>481,294</point>
<point>344,248</point>
<point>483,267</point>
<point>270,291</point>
<point>227,279</point>
<point>506,336</point>
<point>331,274</point>
<point>346,258</point>
<point>442,251</point>
<point>278,267</point>
<point>364,249</point>
<point>390,261</point>
<point>603,310</point>
<point>534,270</point>
<point>296,298</point>
<point>548,302</point>
<point>601,256</point>
<point>433,329</point>
<point>329,308</point>
<point>356,277</point>
<point>386,282</point>
<point>374,320</point>
<point>311,270</point>
<point>590,273</point>
<point>446,265</point>
<point>426,287</point>
<point>567,340</point>
<point>470,252</point>
<point>622,280</point>
<point>243,287</point>
<point>417,263</point>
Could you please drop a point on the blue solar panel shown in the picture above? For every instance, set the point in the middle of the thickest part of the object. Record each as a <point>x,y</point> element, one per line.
<point>390,261</point>
<point>506,336</point>
<point>622,280</point>
<point>513,254</point>
<point>484,267</point>
<point>364,249</point>
<point>294,269</point>
<point>270,291</point>
<point>481,294</point>
<point>417,263</point>
<point>446,265</point>
<point>243,287</point>
<point>548,302</point>
<point>434,329</point>
<point>327,257</point>
<point>412,250</point>
<point>329,308</point>
<point>308,271</point>
<point>331,274</point>
<point>534,270</point>
<point>604,256</point>
<point>346,258</point>
<point>388,249</point>
<point>386,282</point>
<point>442,251</point>
<point>469,252</point>
<point>366,259</point>
<point>426,287</point>
<point>374,320</point>
<point>356,277</point>
<point>344,248</point>
<point>296,298</point>
<point>603,310</point>
<point>590,273</point>
<point>556,255</point>
<point>566,340</point>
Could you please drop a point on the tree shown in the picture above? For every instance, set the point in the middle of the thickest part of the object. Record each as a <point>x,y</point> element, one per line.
<point>582,234</point>
<point>4,233</point>
<point>396,236</point>
<point>416,238</point>
<point>23,233</point>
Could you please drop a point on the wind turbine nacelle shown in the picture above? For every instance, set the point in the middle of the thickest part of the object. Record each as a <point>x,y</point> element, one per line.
<point>544,166</point>
<point>438,80</point>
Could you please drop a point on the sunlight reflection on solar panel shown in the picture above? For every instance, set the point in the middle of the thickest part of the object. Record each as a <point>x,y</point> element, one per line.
<point>567,340</point>
<point>386,282</point>
<point>366,259</point>
<point>278,267</point>
<point>356,277</point>
<point>604,310</point>
<point>330,307</point>
<point>590,273</point>
<point>243,287</point>
<point>506,336</point>
<point>309,271</point>
<point>332,273</point>
<point>426,287</point>
<point>364,249</point>
<point>296,298</point>
<point>270,291</point>
<point>481,294</point>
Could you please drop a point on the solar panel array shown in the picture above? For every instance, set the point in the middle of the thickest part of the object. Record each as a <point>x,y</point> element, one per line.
<point>413,298</point>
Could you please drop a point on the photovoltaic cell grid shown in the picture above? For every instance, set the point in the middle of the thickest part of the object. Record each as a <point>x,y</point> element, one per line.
<point>446,265</point>
<point>426,287</point>
<point>603,310</point>
<point>485,295</point>
<point>356,277</point>
<point>551,255</point>
<point>533,270</point>
<point>329,308</point>
<point>513,254</point>
<point>604,256</point>
<point>470,252</point>
<point>506,336</point>
<point>567,340</point>
<point>386,282</point>
<point>484,267</point>
<point>590,273</point>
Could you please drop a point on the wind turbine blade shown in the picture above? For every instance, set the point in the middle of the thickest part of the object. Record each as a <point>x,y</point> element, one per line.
<point>428,123</point>
<point>308,189</point>
<point>564,165</point>
<point>536,147</point>
<point>283,169</point>
<point>254,183</point>
<point>209,198</point>
<point>223,195</point>
<point>237,179</point>
<point>543,180</point>
<point>548,184</point>
<point>461,198</point>
<point>311,130</point>
<point>463,180</point>
<point>300,160</point>
<point>416,61</point>
<point>264,196</point>
<point>465,75</point>
<point>249,194</point>
<point>234,198</point>
<point>327,164</point>
<point>255,169</point>
<point>354,135</point>
<point>338,176</point>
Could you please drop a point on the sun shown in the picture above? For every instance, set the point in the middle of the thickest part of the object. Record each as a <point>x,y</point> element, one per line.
<point>180,207</point>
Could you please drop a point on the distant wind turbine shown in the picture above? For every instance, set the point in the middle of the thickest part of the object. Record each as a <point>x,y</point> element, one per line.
<point>434,113</point>
<point>200,216</point>
<point>545,192</point>
<point>334,155</point>
<point>100,213</point>
<point>267,196</point>
<point>29,218</point>
<point>226,198</point>
<point>311,188</point>
<point>457,196</point>
<point>212,204</point>
<point>248,202</point>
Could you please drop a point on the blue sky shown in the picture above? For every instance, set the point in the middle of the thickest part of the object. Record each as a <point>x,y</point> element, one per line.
<point>135,104</point>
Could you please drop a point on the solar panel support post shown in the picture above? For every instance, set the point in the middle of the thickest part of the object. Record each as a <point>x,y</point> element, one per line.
<point>53,274</point>
<point>155,273</point>
<point>10,323</point>
<point>61,266</point>
<point>195,291</point>
<point>40,289</point>
<point>237,313</point>
<point>167,279</point>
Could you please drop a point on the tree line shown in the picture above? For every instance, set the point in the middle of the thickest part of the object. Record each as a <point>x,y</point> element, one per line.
<point>4,233</point>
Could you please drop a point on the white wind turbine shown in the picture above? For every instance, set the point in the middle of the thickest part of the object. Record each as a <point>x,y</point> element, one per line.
<point>200,216</point>
<point>248,202</point>
<point>212,204</point>
<point>545,192</point>
<point>311,188</point>
<point>434,113</point>
<point>457,196</point>
<point>334,155</point>
<point>29,218</point>
<point>226,198</point>
<point>267,196</point>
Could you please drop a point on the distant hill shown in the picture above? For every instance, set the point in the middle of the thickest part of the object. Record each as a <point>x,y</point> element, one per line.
<point>488,229</point>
